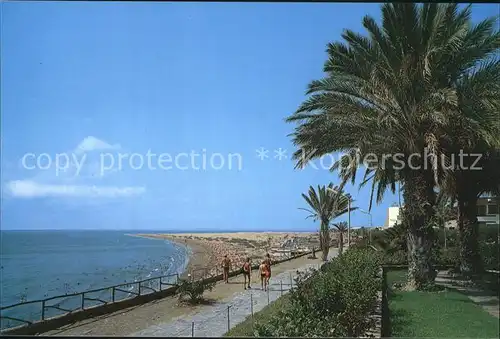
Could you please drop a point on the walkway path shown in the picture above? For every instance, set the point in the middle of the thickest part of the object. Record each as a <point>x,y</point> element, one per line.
<point>487,300</point>
<point>159,314</point>
<point>212,321</point>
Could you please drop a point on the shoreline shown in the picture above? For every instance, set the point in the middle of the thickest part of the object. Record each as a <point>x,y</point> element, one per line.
<point>208,249</point>
<point>200,255</point>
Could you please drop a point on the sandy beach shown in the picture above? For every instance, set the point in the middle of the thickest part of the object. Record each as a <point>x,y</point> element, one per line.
<point>208,249</point>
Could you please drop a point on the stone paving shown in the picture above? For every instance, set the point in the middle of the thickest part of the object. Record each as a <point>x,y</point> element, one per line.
<point>486,299</point>
<point>212,321</point>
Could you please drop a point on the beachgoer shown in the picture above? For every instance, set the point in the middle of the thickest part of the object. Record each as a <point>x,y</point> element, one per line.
<point>226,265</point>
<point>268,263</point>
<point>263,275</point>
<point>247,269</point>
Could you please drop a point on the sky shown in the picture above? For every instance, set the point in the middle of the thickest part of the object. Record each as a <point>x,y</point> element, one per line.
<point>191,90</point>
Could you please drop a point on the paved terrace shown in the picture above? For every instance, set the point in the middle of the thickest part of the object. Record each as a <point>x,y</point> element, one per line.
<point>166,318</point>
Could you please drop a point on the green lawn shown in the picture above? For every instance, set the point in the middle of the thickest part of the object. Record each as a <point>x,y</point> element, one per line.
<point>396,276</point>
<point>413,314</point>
<point>441,314</point>
<point>244,329</point>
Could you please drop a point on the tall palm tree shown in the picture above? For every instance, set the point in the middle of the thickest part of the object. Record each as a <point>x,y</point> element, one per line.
<point>478,99</point>
<point>443,212</point>
<point>466,186</point>
<point>326,204</point>
<point>341,227</point>
<point>391,93</point>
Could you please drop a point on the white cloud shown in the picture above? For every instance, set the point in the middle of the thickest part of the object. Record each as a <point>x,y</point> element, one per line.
<point>76,182</point>
<point>32,189</point>
<point>91,143</point>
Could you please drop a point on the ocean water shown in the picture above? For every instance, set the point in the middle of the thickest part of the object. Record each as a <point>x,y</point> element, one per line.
<point>42,264</point>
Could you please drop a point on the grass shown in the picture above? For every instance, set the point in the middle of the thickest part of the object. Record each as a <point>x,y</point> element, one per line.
<point>245,328</point>
<point>445,314</point>
<point>396,276</point>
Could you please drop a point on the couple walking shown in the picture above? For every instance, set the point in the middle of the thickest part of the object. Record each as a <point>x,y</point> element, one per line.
<point>265,272</point>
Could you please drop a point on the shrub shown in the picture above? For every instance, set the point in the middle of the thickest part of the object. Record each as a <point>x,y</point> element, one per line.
<point>192,292</point>
<point>449,256</point>
<point>333,302</point>
<point>396,258</point>
<point>488,234</point>
<point>490,255</point>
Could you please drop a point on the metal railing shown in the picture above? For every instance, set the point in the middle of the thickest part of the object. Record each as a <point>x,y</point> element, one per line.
<point>83,300</point>
<point>228,315</point>
<point>71,302</point>
<point>216,270</point>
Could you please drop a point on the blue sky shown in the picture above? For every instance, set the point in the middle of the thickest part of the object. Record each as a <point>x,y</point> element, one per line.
<point>115,78</point>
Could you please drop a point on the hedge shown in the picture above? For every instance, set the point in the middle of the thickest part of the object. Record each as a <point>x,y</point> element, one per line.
<point>333,302</point>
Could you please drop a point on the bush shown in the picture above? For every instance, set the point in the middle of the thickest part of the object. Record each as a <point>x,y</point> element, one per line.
<point>333,302</point>
<point>396,258</point>
<point>488,233</point>
<point>449,256</point>
<point>391,243</point>
<point>192,292</point>
<point>490,255</point>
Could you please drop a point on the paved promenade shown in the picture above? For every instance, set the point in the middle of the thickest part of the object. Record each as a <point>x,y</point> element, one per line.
<point>164,317</point>
<point>212,321</point>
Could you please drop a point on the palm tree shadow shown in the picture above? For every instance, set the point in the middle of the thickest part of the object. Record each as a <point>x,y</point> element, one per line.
<point>203,301</point>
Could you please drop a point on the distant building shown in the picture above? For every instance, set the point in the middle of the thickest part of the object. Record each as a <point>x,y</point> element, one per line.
<point>487,211</point>
<point>393,216</point>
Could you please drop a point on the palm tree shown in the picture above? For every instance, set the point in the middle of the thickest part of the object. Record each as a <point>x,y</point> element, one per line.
<point>478,97</point>
<point>326,204</point>
<point>391,93</point>
<point>466,186</point>
<point>341,227</point>
<point>392,239</point>
<point>443,212</point>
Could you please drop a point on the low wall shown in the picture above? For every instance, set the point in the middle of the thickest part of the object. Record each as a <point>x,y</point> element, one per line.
<point>79,315</point>
<point>98,310</point>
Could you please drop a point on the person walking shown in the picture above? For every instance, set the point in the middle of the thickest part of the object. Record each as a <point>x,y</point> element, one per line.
<point>247,270</point>
<point>263,275</point>
<point>268,263</point>
<point>226,265</point>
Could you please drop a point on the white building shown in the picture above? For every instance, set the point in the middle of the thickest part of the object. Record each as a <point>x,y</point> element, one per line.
<point>393,216</point>
<point>487,211</point>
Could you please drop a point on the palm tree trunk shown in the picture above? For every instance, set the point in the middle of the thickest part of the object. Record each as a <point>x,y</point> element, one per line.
<point>444,230</point>
<point>324,241</point>
<point>468,231</point>
<point>419,199</point>
<point>341,243</point>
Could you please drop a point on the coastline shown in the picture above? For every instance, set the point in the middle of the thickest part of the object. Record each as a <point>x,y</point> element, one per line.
<point>200,255</point>
<point>208,249</point>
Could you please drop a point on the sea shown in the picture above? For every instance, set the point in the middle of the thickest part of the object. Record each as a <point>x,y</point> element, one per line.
<point>43,264</point>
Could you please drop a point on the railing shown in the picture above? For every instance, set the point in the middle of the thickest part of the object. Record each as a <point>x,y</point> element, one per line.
<point>82,300</point>
<point>226,315</point>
